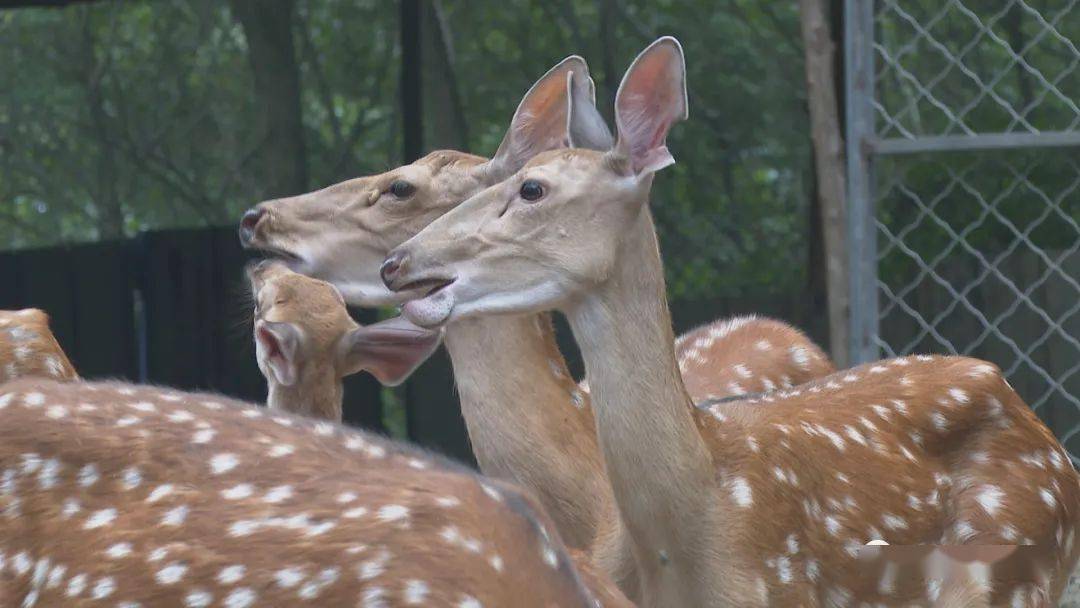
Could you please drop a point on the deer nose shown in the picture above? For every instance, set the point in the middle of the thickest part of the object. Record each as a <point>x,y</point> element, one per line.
<point>248,223</point>
<point>392,267</point>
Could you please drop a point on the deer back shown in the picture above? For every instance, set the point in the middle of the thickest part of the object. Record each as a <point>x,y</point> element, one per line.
<point>145,496</point>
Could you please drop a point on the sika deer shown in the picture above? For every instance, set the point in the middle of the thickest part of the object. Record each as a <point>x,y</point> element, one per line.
<point>762,501</point>
<point>28,347</point>
<point>528,420</point>
<point>306,342</point>
<point>747,355</point>
<point>122,495</point>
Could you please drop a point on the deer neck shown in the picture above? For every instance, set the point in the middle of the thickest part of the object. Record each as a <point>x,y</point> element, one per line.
<point>527,419</point>
<point>317,394</point>
<point>659,466</point>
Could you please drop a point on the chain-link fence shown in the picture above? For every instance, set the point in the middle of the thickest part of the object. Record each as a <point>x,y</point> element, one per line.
<point>964,173</point>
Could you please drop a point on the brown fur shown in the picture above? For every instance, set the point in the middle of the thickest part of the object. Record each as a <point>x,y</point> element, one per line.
<point>747,355</point>
<point>921,442</point>
<point>316,309</point>
<point>229,464</point>
<point>528,421</point>
<point>28,347</point>
<point>961,571</point>
<point>711,496</point>
<point>754,502</point>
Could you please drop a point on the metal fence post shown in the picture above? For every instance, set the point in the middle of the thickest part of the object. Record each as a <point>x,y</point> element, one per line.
<point>862,244</point>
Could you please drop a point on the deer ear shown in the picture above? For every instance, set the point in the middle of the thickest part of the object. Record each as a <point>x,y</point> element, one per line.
<point>585,127</point>
<point>539,124</point>
<point>651,98</point>
<point>390,350</point>
<point>277,344</point>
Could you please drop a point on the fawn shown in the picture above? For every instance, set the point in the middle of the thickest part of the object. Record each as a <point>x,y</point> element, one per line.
<point>306,342</point>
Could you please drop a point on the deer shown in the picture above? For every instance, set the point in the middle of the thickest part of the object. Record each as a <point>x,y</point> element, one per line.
<point>528,420</point>
<point>29,348</point>
<point>306,343</point>
<point>125,495</point>
<point>767,500</point>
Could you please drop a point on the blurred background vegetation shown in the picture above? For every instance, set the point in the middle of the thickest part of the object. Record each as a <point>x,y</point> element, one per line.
<point>127,118</point>
<point>118,117</point>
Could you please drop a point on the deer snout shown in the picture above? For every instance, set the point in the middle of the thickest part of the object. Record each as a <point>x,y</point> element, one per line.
<point>393,267</point>
<point>248,223</point>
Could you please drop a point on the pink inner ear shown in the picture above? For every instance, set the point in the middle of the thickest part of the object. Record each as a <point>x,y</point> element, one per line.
<point>651,99</point>
<point>541,124</point>
<point>270,343</point>
<point>279,363</point>
<point>660,135</point>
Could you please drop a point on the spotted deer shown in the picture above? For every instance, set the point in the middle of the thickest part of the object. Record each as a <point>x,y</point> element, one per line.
<point>29,348</point>
<point>747,354</point>
<point>528,420</point>
<point>764,501</point>
<point>121,495</point>
<point>306,342</point>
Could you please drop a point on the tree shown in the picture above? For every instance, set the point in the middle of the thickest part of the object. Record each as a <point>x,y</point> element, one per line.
<point>829,165</point>
<point>268,27</point>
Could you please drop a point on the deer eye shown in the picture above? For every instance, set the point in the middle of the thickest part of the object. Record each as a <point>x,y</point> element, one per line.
<point>402,189</point>
<point>531,190</point>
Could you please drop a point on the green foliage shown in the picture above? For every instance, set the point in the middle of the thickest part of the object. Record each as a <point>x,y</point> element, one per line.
<point>733,211</point>
<point>953,70</point>
<point>117,117</point>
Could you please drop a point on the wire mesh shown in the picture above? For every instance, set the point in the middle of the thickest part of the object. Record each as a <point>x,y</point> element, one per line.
<point>978,251</point>
<point>945,68</point>
<point>979,254</point>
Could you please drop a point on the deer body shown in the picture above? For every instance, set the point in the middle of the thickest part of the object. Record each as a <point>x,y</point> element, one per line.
<point>28,347</point>
<point>934,450</point>
<point>762,501</point>
<point>122,495</point>
<point>747,354</point>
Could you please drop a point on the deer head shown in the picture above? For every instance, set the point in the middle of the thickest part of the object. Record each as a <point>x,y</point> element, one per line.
<point>343,233</point>
<point>553,230</point>
<point>306,340</point>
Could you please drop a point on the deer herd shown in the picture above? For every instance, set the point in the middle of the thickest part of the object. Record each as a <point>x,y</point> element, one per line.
<point>732,466</point>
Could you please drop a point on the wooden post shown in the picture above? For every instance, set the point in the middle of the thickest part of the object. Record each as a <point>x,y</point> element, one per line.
<point>829,166</point>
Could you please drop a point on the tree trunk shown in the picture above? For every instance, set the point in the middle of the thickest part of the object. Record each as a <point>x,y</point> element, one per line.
<point>267,26</point>
<point>106,198</point>
<point>829,168</point>
<point>445,126</point>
